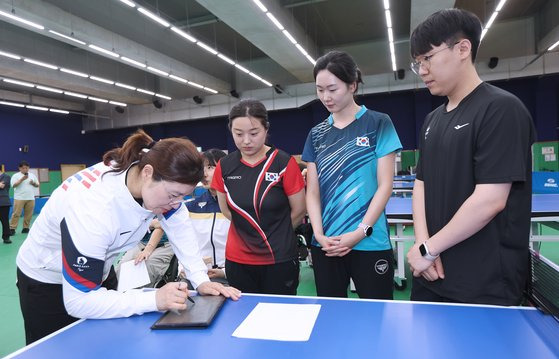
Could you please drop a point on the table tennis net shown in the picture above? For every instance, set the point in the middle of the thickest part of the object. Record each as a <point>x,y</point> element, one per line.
<point>543,289</point>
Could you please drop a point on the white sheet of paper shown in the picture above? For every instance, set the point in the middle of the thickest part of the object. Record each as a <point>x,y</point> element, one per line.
<point>277,321</point>
<point>132,276</point>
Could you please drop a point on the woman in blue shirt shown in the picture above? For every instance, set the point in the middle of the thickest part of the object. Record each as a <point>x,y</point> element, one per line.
<point>350,158</point>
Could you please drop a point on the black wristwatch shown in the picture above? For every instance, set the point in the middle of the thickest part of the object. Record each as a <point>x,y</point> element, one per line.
<point>368,230</point>
<point>424,250</point>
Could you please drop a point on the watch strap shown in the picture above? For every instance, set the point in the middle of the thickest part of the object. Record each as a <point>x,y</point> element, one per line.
<point>428,254</point>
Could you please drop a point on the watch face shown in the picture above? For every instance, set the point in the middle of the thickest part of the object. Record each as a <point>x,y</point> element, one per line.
<point>422,250</point>
<point>369,231</point>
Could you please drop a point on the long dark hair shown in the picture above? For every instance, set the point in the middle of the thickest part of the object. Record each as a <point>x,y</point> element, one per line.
<point>172,159</point>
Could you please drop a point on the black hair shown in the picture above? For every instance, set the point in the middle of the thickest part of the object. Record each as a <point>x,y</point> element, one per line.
<point>249,108</point>
<point>341,65</point>
<point>213,156</point>
<point>23,163</point>
<point>448,26</point>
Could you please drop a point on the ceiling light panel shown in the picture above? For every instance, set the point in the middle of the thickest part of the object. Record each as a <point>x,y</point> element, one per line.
<point>20,83</point>
<point>74,72</point>
<point>154,17</point>
<point>492,18</point>
<point>100,79</point>
<point>50,89</point>
<point>134,62</point>
<point>127,2</point>
<point>10,55</point>
<point>67,37</point>
<point>183,34</point>
<point>40,108</point>
<point>7,103</point>
<point>74,94</point>
<point>33,107</point>
<point>40,63</point>
<point>553,46</point>
<point>104,51</point>
<point>288,35</point>
<point>157,71</point>
<point>390,33</point>
<point>59,111</point>
<point>22,20</point>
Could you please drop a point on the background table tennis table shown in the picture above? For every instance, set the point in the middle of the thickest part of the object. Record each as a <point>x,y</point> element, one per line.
<point>545,209</point>
<point>345,328</point>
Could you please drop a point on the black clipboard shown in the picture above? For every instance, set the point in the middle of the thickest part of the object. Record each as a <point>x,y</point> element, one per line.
<point>200,314</point>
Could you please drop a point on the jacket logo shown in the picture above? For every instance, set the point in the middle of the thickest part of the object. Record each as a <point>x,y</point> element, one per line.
<point>272,177</point>
<point>457,127</point>
<point>80,264</point>
<point>362,141</point>
<point>234,177</point>
<point>202,204</point>
<point>427,132</point>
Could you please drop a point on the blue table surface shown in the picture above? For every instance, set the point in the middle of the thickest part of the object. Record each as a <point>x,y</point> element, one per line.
<point>543,205</point>
<point>404,178</point>
<point>345,328</point>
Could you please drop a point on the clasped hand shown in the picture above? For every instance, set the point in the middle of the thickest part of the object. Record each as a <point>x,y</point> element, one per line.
<point>419,266</point>
<point>339,246</point>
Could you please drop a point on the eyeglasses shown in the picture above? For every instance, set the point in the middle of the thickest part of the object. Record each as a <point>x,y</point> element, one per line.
<point>426,61</point>
<point>179,201</point>
<point>174,199</point>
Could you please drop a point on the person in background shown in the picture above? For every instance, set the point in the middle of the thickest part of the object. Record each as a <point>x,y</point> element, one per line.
<point>261,190</point>
<point>96,214</point>
<point>303,169</point>
<point>210,225</point>
<point>472,219</point>
<point>154,249</point>
<point>350,166</point>
<point>24,184</point>
<point>5,205</point>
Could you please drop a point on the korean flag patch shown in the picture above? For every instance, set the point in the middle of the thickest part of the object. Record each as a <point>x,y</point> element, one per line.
<point>362,141</point>
<point>271,177</point>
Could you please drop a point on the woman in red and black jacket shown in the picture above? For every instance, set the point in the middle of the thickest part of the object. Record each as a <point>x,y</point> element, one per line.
<point>261,190</point>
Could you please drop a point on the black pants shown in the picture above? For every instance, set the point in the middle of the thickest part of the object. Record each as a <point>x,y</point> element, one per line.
<point>420,293</point>
<point>372,273</point>
<point>42,306</point>
<point>5,219</point>
<point>279,278</point>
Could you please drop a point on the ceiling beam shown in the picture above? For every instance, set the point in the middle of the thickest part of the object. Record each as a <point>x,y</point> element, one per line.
<point>262,33</point>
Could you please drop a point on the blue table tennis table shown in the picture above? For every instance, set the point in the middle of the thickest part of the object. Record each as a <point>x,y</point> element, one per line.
<point>402,187</point>
<point>545,209</point>
<point>345,328</point>
<point>409,178</point>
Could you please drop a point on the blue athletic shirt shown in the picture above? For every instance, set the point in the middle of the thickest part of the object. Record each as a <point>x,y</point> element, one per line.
<point>346,162</point>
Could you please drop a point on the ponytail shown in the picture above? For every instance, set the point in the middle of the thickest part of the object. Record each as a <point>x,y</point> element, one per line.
<point>172,159</point>
<point>121,158</point>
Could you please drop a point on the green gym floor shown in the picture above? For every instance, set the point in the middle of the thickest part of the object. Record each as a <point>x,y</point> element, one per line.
<point>12,336</point>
